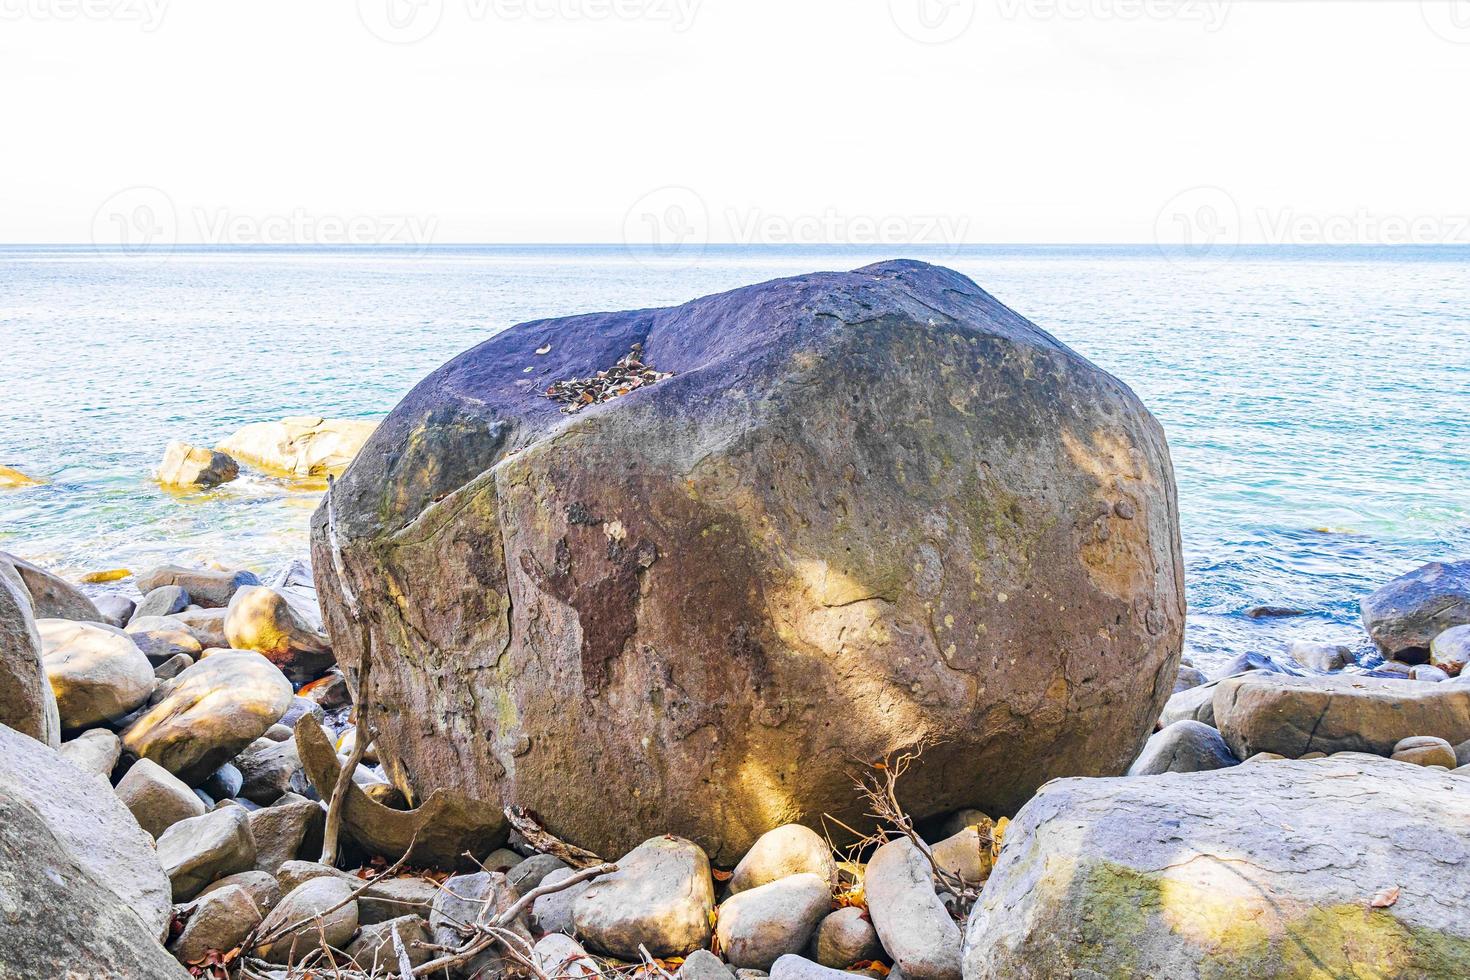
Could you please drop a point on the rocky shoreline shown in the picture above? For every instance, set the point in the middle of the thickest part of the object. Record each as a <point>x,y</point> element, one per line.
<point>394,776</point>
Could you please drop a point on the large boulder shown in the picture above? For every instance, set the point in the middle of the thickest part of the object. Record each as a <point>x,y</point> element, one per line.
<point>287,630</point>
<point>52,597</point>
<point>1405,616</point>
<point>27,703</point>
<point>206,586</point>
<point>868,509</point>
<point>1292,716</point>
<point>84,819</point>
<point>1333,868</point>
<point>97,672</point>
<point>300,446</point>
<point>209,713</point>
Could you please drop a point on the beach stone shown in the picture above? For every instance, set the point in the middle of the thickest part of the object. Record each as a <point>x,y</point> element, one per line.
<point>208,587</point>
<point>1425,751</point>
<point>845,477</point>
<point>1325,657</point>
<point>278,733</point>
<point>212,710</point>
<point>1426,672</point>
<point>261,887</point>
<point>1295,716</point>
<point>966,853</point>
<point>1405,616</point>
<point>281,831</point>
<point>526,875</point>
<point>114,609</point>
<point>288,631</point>
<point>194,466</point>
<point>205,625</point>
<point>96,672</point>
<point>1394,669</point>
<point>563,957</point>
<point>220,920</point>
<point>310,900</point>
<point>1194,704</point>
<point>502,859</point>
<point>1185,746</point>
<point>704,965</point>
<point>661,897</point>
<point>173,667</point>
<point>156,797</point>
<point>760,924</point>
<point>301,445</point>
<point>794,967</point>
<point>300,708</point>
<point>224,783</point>
<point>27,703</point>
<point>553,913</point>
<point>200,850</point>
<point>846,937</point>
<point>51,596</point>
<point>163,637</point>
<point>294,873</point>
<point>60,919</point>
<point>1450,650</point>
<point>787,850</point>
<point>1244,663</point>
<point>911,921</point>
<point>1157,878</point>
<point>86,827</point>
<point>461,900</point>
<point>270,769</point>
<point>1188,677</point>
<point>1265,757</point>
<point>390,898</point>
<point>162,601</point>
<point>373,949</point>
<point>95,751</point>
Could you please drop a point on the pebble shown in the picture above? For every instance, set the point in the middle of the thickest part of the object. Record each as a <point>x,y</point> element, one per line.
<point>846,937</point>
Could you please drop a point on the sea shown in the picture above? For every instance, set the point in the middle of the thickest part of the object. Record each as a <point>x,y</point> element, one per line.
<point>1316,399</point>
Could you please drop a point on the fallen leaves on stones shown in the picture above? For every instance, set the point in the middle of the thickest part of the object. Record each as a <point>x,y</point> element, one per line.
<point>629,374</point>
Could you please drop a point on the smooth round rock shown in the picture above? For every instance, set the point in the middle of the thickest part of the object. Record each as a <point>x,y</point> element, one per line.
<point>763,923</point>
<point>1450,650</point>
<point>1423,750</point>
<point>313,900</point>
<point>846,937</point>
<point>788,850</point>
<point>96,672</point>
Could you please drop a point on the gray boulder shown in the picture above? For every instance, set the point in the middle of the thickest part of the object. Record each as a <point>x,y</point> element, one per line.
<point>463,899</point>
<point>1293,716</point>
<point>704,965</point>
<point>660,897</point>
<point>1450,650</point>
<point>1293,869</point>
<point>115,609</point>
<point>850,476</point>
<point>392,898</point>
<point>1326,657</point>
<point>51,596</point>
<point>84,819</point>
<point>261,887</point>
<point>95,751</point>
<point>561,956</point>
<point>189,466</point>
<point>157,798</point>
<point>527,874</point>
<point>1185,746</point>
<point>207,587</point>
<point>162,601</point>
<point>553,913</point>
<point>1188,677</point>
<point>206,625</point>
<point>763,923</point>
<point>1191,704</point>
<point>912,923</point>
<point>846,937</point>
<point>283,832</point>
<point>286,630</point>
<point>164,637</point>
<point>219,920</point>
<point>201,850</point>
<point>788,850</point>
<point>793,967</point>
<point>270,769</point>
<point>966,853</point>
<point>27,703</point>
<point>96,672</point>
<point>1405,616</point>
<point>373,950</point>
<point>329,916</point>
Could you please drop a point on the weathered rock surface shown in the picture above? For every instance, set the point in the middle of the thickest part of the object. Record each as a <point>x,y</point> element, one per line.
<point>704,965</point>
<point>553,913</point>
<point>286,629</point>
<point>793,967</point>
<point>1405,616</point>
<point>464,898</point>
<point>82,818</point>
<point>440,831</point>
<point>374,951</point>
<point>211,711</point>
<point>391,898</point>
<point>95,752</point>
<point>282,832</point>
<point>163,638</point>
<point>1292,716</point>
<point>194,466</point>
<point>301,445</point>
<point>768,921</point>
<point>661,897</point>
<point>206,586</point>
<point>57,918</point>
<point>846,937</point>
<point>162,601</point>
<point>788,850</point>
<point>1450,650</point>
<point>1185,746</point>
<point>220,920</point>
<point>313,901</point>
<point>261,887</point>
<point>1425,751</point>
<point>201,850</point>
<point>912,923</point>
<point>52,597</point>
<point>1325,657</point>
<point>966,853</point>
<point>270,769</point>
<point>27,703</point>
<point>528,874</point>
<point>207,625</point>
<point>1254,871</point>
<point>114,609</point>
<point>156,797</point>
<point>837,507</point>
<point>96,672</point>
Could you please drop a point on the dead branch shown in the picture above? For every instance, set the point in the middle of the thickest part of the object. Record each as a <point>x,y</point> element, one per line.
<point>547,843</point>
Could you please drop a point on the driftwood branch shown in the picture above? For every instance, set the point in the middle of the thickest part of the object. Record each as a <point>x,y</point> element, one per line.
<point>547,843</point>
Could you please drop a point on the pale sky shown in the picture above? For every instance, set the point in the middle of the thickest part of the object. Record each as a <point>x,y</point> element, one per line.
<point>309,121</point>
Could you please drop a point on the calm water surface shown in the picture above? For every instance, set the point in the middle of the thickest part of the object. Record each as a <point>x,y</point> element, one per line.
<point>1317,401</point>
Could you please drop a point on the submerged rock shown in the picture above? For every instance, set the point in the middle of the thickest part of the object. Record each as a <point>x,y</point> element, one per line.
<point>300,446</point>
<point>1293,869</point>
<point>194,466</point>
<point>831,510</point>
<point>1405,616</point>
<point>27,703</point>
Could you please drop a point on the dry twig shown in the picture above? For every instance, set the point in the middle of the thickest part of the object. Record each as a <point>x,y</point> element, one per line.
<point>547,843</point>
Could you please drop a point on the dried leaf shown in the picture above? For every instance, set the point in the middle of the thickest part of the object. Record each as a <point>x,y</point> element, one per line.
<point>719,875</point>
<point>1385,898</point>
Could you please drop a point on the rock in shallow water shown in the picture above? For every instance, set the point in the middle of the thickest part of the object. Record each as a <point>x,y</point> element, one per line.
<point>194,466</point>
<point>301,445</point>
<point>207,587</point>
<point>1253,871</point>
<point>1405,616</point>
<point>845,478</point>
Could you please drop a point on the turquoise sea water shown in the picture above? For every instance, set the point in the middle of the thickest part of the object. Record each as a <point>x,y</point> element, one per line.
<point>1317,401</point>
